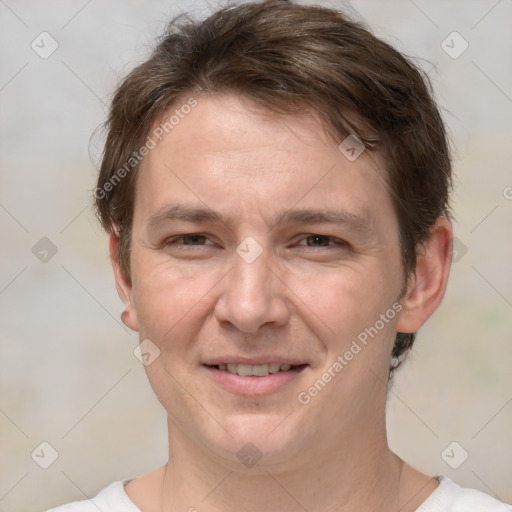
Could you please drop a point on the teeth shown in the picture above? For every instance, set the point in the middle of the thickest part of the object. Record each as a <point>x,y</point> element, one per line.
<point>259,370</point>
<point>246,369</point>
<point>273,367</point>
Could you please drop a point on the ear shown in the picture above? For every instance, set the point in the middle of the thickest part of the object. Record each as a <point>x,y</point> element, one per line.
<point>123,285</point>
<point>426,287</point>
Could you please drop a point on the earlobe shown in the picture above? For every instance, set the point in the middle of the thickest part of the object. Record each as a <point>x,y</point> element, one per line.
<point>123,285</point>
<point>427,286</point>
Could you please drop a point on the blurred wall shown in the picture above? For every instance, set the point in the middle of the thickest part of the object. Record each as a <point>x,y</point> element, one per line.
<point>68,376</point>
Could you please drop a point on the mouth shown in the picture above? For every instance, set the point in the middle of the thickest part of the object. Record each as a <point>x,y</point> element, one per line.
<point>254,379</point>
<point>256,370</point>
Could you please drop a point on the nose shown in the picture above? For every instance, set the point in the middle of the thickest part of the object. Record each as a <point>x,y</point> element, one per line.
<point>253,295</point>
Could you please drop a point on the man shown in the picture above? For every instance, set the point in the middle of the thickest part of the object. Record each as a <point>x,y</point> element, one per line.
<point>275,184</point>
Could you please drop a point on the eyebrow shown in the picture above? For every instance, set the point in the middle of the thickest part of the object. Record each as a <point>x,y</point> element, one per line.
<point>181,212</point>
<point>324,216</point>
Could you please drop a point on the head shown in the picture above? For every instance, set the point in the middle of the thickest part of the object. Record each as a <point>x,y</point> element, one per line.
<point>310,163</point>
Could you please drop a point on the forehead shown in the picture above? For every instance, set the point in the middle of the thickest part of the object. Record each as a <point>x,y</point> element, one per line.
<point>229,155</point>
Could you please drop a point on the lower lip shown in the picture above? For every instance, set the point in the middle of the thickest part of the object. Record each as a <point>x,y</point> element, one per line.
<point>251,384</point>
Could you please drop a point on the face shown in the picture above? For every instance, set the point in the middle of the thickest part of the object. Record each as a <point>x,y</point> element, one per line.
<point>257,243</point>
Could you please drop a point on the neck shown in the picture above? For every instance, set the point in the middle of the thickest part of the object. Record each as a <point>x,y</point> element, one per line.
<point>344,476</point>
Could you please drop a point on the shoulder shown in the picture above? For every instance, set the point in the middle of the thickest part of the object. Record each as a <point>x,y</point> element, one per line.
<point>112,498</point>
<point>451,497</point>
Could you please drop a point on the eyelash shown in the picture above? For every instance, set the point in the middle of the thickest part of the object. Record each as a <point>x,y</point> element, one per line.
<point>336,241</point>
<point>172,240</point>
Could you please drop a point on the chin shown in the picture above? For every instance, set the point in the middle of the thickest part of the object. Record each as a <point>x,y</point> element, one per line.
<point>258,441</point>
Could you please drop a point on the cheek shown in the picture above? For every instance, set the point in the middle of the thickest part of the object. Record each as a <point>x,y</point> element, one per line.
<point>167,297</point>
<point>171,307</point>
<point>329,298</point>
<point>342,302</point>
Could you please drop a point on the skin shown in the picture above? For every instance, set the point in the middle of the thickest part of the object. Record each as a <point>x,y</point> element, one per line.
<point>303,297</point>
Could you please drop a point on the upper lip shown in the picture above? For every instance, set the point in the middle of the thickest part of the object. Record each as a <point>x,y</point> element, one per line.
<point>254,361</point>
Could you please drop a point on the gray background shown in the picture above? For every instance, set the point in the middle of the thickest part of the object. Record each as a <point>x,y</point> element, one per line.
<point>68,375</point>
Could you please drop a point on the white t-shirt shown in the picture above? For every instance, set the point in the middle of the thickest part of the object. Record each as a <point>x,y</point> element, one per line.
<point>447,497</point>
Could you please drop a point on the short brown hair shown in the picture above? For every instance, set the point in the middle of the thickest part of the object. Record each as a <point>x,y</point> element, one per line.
<point>289,58</point>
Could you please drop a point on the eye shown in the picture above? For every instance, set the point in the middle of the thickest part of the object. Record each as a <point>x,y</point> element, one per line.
<point>187,240</point>
<point>322,241</point>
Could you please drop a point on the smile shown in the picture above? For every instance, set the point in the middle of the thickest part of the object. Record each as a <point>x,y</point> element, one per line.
<point>257,370</point>
<point>254,379</point>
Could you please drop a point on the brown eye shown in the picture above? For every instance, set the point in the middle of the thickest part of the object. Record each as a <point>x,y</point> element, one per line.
<point>193,239</point>
<point>318,240</point>
<point>188,240</point>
